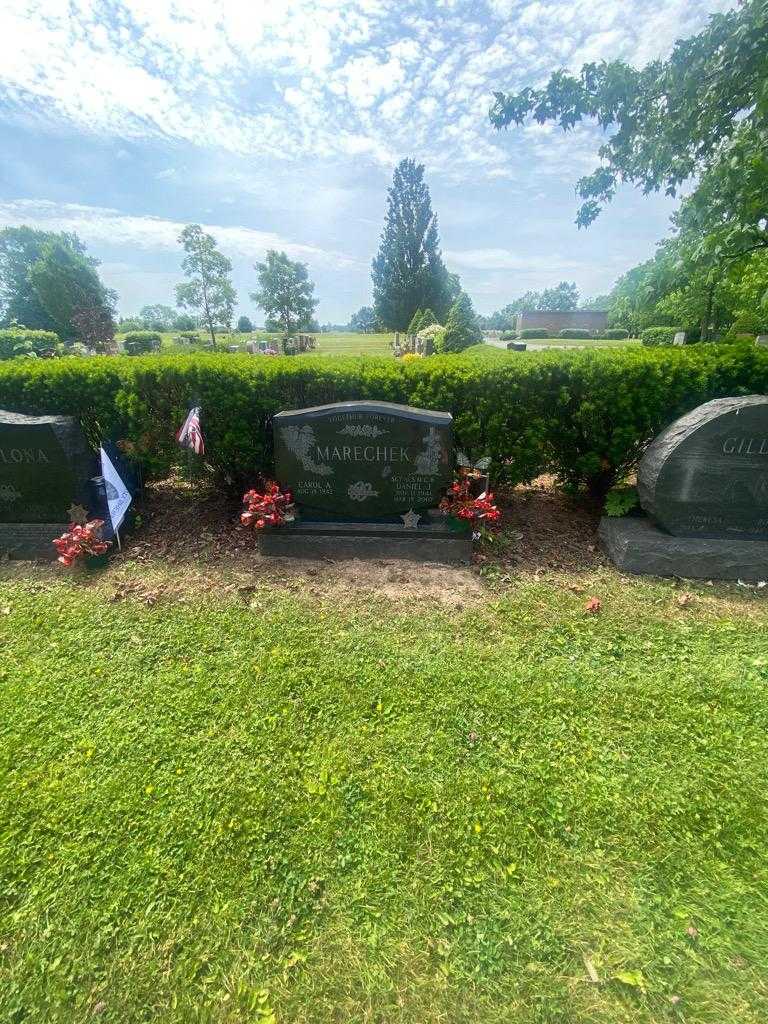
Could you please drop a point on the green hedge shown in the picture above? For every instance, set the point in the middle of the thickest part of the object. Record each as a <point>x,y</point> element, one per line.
<point>584,416</point>
<point>18,341</point>
<point>653,336</point>
<point>614,334</point>
<point>534,332</point>
<point>575,332</point>
<point>136,343</point>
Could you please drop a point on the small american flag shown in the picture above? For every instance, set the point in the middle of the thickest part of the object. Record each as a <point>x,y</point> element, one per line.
<point>190,435</point>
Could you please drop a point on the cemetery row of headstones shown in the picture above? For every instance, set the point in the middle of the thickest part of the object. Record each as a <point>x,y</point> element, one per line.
<point>368,478</point>
<point>411,344</point>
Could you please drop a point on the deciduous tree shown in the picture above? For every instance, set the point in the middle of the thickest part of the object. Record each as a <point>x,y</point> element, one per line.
<point>209,289</point>
<point>701,113</point>
<point>285,293</point>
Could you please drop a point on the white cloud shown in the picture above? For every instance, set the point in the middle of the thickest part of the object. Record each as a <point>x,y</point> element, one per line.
<point>103,226</point>
<point>320,78</point>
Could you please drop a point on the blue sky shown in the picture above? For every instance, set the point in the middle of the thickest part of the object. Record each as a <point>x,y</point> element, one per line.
<point>276,124</point>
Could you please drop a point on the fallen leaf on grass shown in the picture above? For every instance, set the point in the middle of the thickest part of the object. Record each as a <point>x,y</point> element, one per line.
<point>634,979</point>
<point>593,606</point>
<point>685,599</point>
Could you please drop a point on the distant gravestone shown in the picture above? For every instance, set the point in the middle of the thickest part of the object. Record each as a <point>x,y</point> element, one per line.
<point>707,473</point>
<point>762,340</point>
<point>364,459</point>
<point>679,338</point>
<point>46,467</point>
<point>703,483</point>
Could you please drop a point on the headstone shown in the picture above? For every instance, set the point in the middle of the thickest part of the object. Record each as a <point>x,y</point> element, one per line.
<point>762,340</point>
<point>707,473</point>
<point>364,459</point>
<point>679,338</point>
<point>46,467</point>
<point>703,484</point>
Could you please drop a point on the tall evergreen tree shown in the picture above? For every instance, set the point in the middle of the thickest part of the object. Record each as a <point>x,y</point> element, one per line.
<point>461,328</point>
<point>408,270</point>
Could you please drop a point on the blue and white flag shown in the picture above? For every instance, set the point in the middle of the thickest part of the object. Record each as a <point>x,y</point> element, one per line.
<point>118,495</point>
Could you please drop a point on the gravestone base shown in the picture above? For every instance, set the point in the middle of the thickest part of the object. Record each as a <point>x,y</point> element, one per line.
<point>636,545</point>
<point>30,540</point>
<point>429,542</point>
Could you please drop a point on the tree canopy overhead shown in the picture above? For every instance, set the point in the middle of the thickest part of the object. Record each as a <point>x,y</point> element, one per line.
<point>702,113</point>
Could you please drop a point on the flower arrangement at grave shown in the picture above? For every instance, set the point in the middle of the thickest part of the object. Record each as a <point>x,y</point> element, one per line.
<point>460,503</point>
<point>271,507</point>
<point>80,541</point>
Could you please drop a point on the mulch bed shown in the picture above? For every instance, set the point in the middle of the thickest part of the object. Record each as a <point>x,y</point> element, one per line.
<point>542,530</point>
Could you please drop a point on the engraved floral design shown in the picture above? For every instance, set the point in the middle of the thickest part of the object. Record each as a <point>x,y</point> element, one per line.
<point>362,430</point>
<point>300,441</point>
<point>428,461</point>
<point>8,493</point>
<point>361,490</point>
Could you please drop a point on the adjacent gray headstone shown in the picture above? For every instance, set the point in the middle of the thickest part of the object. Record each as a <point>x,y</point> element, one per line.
<point>706,475</point>
<point>364,459</point>
<point>762,340</point>
<point>679,338</point>
<point>46,466</point>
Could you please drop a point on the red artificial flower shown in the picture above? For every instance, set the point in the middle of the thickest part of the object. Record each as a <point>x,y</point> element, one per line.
<point>80,540</point>
<point>273,507</point>
<point>460,503</point>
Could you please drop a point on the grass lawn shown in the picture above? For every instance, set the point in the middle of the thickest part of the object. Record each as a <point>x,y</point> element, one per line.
<point>327,344</point>
<point>290,804</point>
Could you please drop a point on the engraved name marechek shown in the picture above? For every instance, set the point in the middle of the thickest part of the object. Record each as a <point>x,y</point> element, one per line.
<point>23,456</point>
<point>363,453</point>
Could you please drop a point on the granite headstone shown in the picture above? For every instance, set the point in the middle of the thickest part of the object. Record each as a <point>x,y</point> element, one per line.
<point>364,459</point>
<point>679,338</point>
<point>365,476</point>
<point>706,475</point>
<point>703,484</point>
<point>46,467</point>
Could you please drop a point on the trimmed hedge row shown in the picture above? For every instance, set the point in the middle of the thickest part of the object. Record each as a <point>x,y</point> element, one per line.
<point>585,416</point>
<point>658,335</point>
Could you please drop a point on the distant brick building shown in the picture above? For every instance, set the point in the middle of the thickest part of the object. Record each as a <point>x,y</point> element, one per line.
<point>587,319</point>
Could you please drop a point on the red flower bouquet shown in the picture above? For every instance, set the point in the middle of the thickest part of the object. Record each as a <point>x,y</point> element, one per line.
<point>81,540</point>
<point>461,504</point>
<point>272,507</point>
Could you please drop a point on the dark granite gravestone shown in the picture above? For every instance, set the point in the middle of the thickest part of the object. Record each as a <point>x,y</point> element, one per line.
<point>365,476</point>
<point>46,467</point>
<point>703,483</point>
<point>364,459</point>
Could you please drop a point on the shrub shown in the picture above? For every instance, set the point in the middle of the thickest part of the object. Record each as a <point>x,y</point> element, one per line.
<point>18,341</point>
<point>653,336</point>
<point>614,334</point>
<point>534,332</point>
<point>461,330</point>
<point>584,416</point>
<point>575,332</point>
<point>138,342</point>
<point>508,335</point>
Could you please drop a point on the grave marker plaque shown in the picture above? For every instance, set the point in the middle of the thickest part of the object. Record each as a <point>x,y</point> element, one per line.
<point>706,475</point>
<point>703,483</point>
<point>45,467</point>
<point>364,460</point>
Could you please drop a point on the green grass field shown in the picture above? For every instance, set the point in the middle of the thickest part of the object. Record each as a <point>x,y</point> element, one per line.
<point>318,807</point>
<point>365,344</point>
